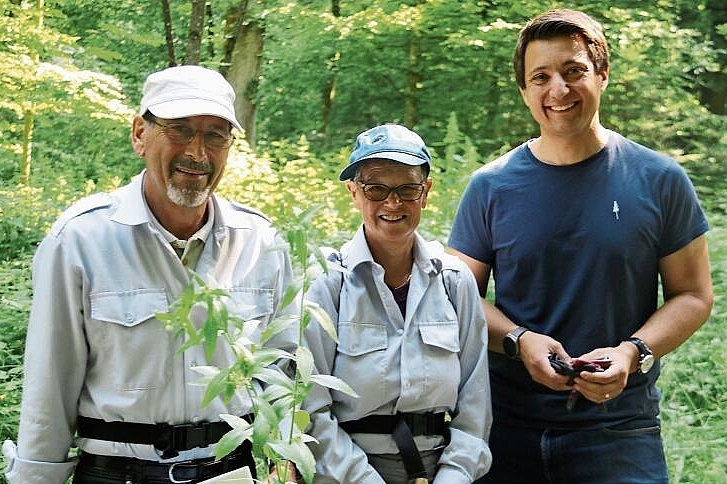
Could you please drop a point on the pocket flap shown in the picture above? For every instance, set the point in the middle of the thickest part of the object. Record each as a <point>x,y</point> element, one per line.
<point>442,334</point>
<point>355,339</point>
<point>128,308</point>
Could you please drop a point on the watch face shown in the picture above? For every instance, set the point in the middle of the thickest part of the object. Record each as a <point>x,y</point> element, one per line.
<point>646,363</point>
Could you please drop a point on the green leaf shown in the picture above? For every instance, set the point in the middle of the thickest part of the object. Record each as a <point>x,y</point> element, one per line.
<point>232,440</point>
<point>301,419</point>
<point>330,381</point>
<point>299,453</point>
<point>322,317</point>
<point>278,325</point>
<point>304,363</point>
<point>218,386</point>
<point>290,294</point>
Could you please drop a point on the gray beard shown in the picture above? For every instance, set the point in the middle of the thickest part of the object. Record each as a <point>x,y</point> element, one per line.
<point>186,197</point>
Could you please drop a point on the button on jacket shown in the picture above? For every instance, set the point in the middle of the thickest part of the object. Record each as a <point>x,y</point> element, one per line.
<point>433,360</point>
<point>94,346</point>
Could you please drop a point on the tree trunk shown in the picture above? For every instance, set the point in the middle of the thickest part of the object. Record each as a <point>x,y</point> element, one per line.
<point>714,93</point>
<point>413,81</point>
<point>329,90</point>
<point>29,113</point>
<point>413,76</point>
<point>192,54</point>
<point>244,55</point>
<point>27,156</point>
<point>168,34</point>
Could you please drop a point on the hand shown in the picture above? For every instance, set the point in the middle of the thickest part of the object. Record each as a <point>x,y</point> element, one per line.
<point>601,387</point>
<point>535,350</point>
<point>291,473</point>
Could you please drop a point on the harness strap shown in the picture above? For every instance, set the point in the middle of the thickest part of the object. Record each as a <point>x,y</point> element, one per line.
<point>170,439</point>
<point>408,449</point>
<point>403,427</point>
<point>419,424</point>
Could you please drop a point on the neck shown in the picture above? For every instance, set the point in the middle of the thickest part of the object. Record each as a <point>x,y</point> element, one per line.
<point>182,222</point>
<point>396,260</point>
<point>560,150</point>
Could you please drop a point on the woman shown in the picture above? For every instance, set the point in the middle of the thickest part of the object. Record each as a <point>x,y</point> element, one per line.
<point>412,335</point>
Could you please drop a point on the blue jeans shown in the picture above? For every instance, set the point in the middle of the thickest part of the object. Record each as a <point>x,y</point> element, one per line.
<point>605,456</point>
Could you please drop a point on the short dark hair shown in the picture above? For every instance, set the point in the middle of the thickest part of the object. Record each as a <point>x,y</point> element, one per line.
<point>425,168</point>
<point>558,23</point>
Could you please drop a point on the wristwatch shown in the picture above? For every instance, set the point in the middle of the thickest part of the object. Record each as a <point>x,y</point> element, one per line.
<point>511,342</point>
<point>646,357</point>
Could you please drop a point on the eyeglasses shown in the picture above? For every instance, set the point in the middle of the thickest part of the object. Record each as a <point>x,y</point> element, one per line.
<point>181,134</point>
<point>407,192</point>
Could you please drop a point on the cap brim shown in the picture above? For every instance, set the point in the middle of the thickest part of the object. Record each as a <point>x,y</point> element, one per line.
<point>408,159</point>
<point>179,108</point>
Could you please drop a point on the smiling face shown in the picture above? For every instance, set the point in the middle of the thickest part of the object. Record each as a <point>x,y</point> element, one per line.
<point>562,88</point>
<point>392,220</point>
<point>179,175</point>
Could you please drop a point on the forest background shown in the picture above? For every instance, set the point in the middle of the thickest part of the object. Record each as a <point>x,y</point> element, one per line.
<point>310,75</point>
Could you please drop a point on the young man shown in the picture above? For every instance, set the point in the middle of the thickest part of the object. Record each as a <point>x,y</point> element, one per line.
<point>578,226</point>
<point>98,363</point>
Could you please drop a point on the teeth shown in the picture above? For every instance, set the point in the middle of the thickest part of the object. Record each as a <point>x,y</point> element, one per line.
<point>392,218</point>
<point>191,172</point>
<point>562,108</point>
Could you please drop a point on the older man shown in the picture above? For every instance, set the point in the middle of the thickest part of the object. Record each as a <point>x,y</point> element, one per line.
<point>99,366</point>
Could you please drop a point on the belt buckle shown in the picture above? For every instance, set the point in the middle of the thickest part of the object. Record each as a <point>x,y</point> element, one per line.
<point>171,474</point>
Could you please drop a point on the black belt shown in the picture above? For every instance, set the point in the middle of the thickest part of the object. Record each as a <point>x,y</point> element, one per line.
<point>403,427</point>
<point>175,472</point>
<point>170,439</point>
<point>419,423</point>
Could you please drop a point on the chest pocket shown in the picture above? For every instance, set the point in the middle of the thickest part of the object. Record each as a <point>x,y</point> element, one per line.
<point>128,308</point>
<point>121,321</point>
<point>251,303</point>
<point>356,339</point>
<point>443,334</point>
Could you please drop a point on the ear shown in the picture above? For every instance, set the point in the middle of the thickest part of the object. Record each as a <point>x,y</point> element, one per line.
<point>604,79</point>
<point>427,187</point>
<point>138,132</point>
<point>353,189</point>
<point>522,94</point>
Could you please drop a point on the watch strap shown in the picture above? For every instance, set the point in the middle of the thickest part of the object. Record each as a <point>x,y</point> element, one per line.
<point>512,340</point>
<point>644,351</point>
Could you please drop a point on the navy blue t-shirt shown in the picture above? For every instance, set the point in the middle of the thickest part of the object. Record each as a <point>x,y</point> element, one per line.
<point>574,252</point>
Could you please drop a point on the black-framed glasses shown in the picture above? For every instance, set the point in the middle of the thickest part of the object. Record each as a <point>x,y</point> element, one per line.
<point>181,134</point>
<point>377,192</point>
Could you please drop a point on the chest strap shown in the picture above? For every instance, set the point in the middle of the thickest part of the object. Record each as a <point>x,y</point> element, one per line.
<point>170,439</point>
<point>419,423</point>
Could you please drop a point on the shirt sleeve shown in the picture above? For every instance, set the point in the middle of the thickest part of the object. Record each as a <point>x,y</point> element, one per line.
<point>470,232</point>
<point>54,370</point>
<point>467,456</point>
<point>338,458</point>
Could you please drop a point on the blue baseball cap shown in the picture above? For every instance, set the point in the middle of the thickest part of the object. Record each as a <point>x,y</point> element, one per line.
<point>387,142</point>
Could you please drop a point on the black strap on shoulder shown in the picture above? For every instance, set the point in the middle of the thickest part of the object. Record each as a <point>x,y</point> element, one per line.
<point>170,439</point>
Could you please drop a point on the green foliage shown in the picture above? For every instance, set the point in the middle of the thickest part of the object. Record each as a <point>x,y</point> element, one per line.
<point>468,110</point>
<point>15,301</point>
<point>694,387</point>
<point>277,430</point>
<point>27,213</point>
<point>285,178</point>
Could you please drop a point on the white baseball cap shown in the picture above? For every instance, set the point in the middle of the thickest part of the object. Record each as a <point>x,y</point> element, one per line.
<point>182,91</point>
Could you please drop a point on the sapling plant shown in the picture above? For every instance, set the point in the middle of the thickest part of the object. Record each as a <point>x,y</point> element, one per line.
<point>274,380</point>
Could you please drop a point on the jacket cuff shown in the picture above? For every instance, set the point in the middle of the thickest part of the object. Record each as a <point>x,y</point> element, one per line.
<point>23,471</point>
